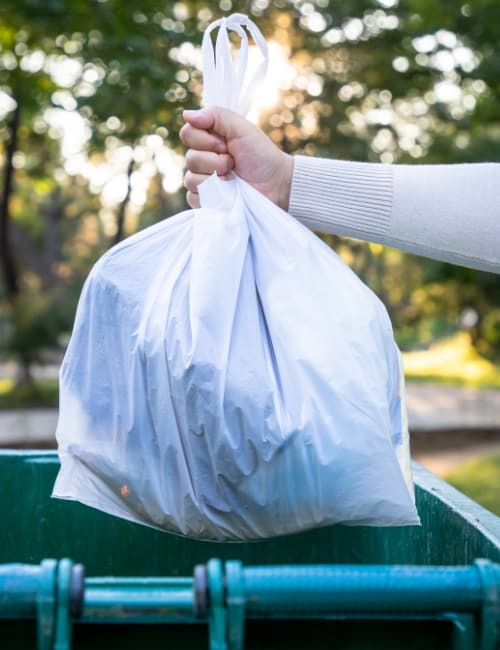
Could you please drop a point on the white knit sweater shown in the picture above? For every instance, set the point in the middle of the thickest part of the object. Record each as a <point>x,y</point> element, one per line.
<point>447,212</point>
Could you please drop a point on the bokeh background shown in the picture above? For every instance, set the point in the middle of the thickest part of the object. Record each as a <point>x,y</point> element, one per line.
<point>91,95</point>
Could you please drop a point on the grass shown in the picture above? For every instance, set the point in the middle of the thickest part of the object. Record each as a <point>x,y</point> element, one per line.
<point>479,479</point>
<point>39,394</point>
<point>452,361</point>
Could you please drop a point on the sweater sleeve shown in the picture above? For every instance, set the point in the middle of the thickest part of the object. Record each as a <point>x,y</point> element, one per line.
<point>446,212</point>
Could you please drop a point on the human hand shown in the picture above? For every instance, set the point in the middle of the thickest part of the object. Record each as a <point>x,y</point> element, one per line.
<point>223,141</point>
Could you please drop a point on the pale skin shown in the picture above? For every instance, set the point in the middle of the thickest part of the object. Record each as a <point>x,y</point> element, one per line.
<point>222,141</point>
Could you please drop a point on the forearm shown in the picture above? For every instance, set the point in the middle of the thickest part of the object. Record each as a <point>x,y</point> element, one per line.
<point>446,212</point>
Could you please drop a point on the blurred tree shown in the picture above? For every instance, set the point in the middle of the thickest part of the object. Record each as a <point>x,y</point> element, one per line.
<point>400,82</point>
<point>362,79</point>
<point>108,62</point>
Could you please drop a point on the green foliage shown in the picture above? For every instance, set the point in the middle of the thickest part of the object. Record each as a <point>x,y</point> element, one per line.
<point>480,480</point>
<point>35,325</point>
<point>40,394</point>
<point>491,329</point>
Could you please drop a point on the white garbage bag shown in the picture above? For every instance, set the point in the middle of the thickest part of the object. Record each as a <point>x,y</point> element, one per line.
<point>229,377</point>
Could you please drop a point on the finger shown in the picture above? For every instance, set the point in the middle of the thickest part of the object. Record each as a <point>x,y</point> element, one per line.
<point>191,181</point>
<point>222,121</point>
<point>201,140</point>
<point>193,200</point>
<point>200,119</point>
<point>206,162</point>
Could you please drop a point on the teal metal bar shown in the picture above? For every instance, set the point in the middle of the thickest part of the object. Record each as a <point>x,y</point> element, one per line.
<point>294,590</point>
<point>235,604</point>
<point>138,600</point>
<point>46,604</point>
<point>18,590</point>
<point>226,595</point>
<point>27,591</point>
<point>63,627</point>
<point>217,615</point>
<point>490,610</point>
<point>279,590</point>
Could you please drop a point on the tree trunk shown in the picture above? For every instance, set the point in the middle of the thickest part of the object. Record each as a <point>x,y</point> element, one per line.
<point>6,259</point>
<point>24,375</point>
<point>53,215</point>
<point>120,217</point>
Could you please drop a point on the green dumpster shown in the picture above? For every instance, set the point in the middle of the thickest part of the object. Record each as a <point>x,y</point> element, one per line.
<point>73,577</point>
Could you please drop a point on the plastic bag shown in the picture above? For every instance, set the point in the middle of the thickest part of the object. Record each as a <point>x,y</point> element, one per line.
<point>229,377</point>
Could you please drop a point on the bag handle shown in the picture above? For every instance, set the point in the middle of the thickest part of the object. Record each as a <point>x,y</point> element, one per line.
<point>223,76</point>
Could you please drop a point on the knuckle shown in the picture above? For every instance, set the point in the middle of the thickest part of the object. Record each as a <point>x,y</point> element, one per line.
<point>225,163</point>
<point>191,181</point>
<point>183,133</point>
<point>187,135</point>
<point>219,165</point>
<point>192,200</point>
<point>190,158</point>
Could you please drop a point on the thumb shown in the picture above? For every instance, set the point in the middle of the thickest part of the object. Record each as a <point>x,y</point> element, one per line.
<point>221,121</point>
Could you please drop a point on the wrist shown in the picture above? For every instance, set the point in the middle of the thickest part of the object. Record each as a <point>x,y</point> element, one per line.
<point>285,183</point>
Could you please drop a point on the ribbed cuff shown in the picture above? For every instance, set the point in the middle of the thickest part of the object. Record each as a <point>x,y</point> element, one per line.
<point>342,197</point>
